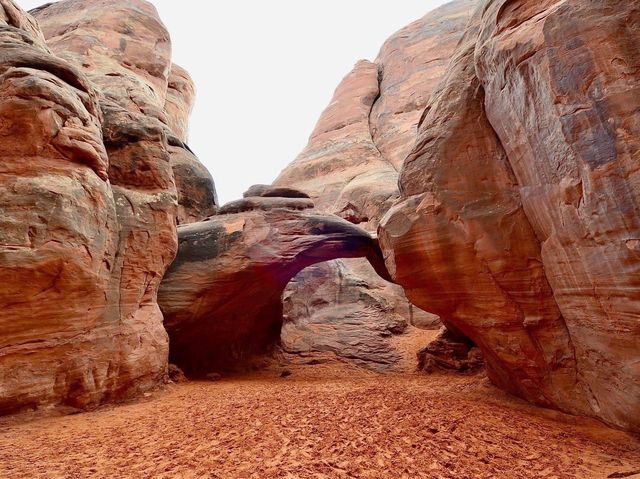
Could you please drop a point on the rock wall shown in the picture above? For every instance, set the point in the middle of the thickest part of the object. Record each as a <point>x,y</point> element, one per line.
<point>126,51</point>
<point>58,239</point>
<point>516,219</point>
<point>350,168</point>
<point>89,202</point>
<point>518,222</point>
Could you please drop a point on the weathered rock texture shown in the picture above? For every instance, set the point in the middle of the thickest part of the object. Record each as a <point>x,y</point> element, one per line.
<point>196,191</point>
<point>518,222</point>
<point>126,51</point>
<point>57,235</point>
<point>197,198</point>
<point>450,351</point>
<point>88,202</point>
<point>350,168</point>
<point>222,296</point>
<point>179,101</point>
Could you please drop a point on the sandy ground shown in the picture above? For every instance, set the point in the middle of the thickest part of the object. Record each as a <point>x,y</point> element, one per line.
<point>320,422</point>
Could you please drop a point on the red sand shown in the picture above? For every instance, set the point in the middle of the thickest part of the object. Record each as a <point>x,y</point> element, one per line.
<point>320,422</point>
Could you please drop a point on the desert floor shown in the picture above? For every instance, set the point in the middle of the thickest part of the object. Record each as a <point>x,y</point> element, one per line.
<point>322,421</point>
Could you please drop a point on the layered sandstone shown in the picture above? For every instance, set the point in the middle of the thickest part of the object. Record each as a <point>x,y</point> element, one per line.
<point>222,296</point>
<point>126,51</point>
<point>518,220</point>
<point>88,202</point>
<point>58,235</point>
<point>350,168</point>
<point>197,197</point>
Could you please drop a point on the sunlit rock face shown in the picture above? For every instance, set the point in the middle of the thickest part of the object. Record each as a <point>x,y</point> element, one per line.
<point>222,296</point>
<point>518,220</point>
<point>350,168</point>
<point>89,202</point>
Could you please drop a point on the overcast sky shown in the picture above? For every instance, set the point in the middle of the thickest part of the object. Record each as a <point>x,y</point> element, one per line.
<point>264,71</point>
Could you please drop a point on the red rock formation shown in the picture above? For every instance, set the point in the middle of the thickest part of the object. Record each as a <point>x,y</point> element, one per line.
<point>54,256</point>
<point>450,351</point>
<point>88,201</point>
<point>519,203</point>
<point>126,51</point>
<point>411,64</point>
<point>197,197</point>
<point>222,296</point>
<point>181,95</point>
<point>79,320</point>
<point>349,168</point>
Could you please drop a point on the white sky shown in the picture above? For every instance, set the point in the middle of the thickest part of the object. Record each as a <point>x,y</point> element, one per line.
<point>264,71</point>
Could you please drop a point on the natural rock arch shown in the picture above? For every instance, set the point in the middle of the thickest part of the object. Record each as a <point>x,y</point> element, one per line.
<point>221,297</point>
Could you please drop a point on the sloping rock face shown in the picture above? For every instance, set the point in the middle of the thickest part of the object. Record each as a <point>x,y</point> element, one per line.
<point>350,168</point>
<point>518,222</point>
<point>222,296</point>
<point>88,206</point>
<point>197,197</point>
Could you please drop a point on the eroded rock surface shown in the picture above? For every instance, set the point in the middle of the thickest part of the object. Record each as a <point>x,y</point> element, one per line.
<point>88,204</point>
<point>350,168</point>
<point>222,296</point>
<point>58,234</point>
<point>450,351</point>
<point>519,209</point>
<point>197,198</point>
<point>125,50</point>
<point>179,101</point>
<point>80,269</point>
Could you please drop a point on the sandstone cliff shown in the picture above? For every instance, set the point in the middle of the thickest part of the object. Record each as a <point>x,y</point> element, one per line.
<point>518,222</point>
<point>89,201</point>
<point>350,168</point>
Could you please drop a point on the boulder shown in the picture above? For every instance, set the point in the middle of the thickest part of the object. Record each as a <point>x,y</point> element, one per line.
<point>450,351</point>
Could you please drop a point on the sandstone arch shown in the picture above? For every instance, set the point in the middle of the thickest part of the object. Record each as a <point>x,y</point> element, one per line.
<point>222,296</point>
